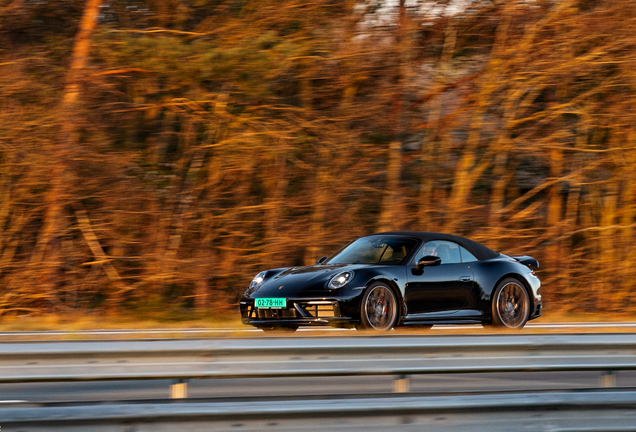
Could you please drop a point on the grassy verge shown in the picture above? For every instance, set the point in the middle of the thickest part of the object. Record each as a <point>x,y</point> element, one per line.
<point>80,322</point>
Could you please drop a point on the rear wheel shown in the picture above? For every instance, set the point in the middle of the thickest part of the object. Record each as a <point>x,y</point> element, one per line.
<point>510,304</point>
<point>379,308</point>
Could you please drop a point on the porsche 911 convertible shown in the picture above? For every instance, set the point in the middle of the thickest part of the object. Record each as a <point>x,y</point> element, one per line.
<point>392,279</point>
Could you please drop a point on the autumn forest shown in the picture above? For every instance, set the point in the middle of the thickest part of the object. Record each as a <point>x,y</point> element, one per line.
<point>157,154</point>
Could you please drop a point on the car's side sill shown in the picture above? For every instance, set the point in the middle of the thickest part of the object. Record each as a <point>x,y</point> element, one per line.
<point>442,321</point>
<point>460,314</point>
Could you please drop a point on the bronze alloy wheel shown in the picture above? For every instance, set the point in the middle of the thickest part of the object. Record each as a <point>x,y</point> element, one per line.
<point>379,308</point>
<point>511,304</point>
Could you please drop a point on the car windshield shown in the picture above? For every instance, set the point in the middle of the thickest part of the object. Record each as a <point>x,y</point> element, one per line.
<point>375,250</point>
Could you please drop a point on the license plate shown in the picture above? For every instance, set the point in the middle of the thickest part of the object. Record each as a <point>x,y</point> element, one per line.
<point>276,303</point>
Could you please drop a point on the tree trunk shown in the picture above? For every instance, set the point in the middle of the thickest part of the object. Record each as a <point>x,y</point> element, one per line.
<point>553,251</point>
<point>275,197</point>
<point>390,212</point>
<point>469,169</point>
<point>571,212</point>
<point>628,249</point>
<point>46,254</point>
<point>426,220</point>
<point>320,200</point>
<point>497,197</point>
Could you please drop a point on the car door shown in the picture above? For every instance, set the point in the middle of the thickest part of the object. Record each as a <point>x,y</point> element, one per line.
<point>438,288</point>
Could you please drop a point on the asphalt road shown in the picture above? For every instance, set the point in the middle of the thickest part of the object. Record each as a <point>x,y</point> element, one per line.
<point>271,387</point>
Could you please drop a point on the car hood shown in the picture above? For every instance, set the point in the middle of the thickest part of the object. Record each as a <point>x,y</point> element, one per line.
<point>301,279</point>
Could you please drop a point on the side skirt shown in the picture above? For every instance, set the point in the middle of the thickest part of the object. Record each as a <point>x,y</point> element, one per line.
<point>434,322</point>
<point>464,316</point>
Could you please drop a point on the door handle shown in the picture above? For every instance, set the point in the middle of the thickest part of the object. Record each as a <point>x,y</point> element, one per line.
<point>465,278</point>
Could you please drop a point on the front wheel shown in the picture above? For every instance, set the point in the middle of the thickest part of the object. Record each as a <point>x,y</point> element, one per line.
<point>379,308</point>
<point>510,304</point>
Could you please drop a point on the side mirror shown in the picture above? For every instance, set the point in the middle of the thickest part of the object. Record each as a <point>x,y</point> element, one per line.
<point>321,260</point>
<point>428,261</point>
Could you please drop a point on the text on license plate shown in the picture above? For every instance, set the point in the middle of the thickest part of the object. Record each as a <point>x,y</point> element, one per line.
<point>276,302</point>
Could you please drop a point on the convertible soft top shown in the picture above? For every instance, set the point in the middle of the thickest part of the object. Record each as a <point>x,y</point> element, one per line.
<point>480,251</point>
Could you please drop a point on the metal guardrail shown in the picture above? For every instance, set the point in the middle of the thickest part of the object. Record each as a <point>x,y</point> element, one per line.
<point>290,357</point>
<point>574,411</point>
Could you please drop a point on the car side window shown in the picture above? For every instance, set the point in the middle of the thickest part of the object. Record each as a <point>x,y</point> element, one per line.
<point>393,253</point>
<point>446,250</point>
<point>467,256</point>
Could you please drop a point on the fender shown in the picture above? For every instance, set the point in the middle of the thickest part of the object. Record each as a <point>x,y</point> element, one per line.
<point>527,260</point>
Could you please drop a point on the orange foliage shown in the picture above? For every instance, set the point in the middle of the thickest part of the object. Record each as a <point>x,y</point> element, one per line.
<point>203,141</point>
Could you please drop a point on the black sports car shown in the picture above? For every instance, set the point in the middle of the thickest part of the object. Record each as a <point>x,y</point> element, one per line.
<point>394,279</point>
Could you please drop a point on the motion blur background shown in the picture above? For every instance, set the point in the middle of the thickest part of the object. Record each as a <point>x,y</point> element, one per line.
<point>160,155</point>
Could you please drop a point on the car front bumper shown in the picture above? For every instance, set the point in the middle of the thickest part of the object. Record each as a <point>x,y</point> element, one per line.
<point>302,312</point>
<point>537,300</point>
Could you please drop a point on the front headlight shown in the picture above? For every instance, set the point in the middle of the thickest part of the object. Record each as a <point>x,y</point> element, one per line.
<point>258,280</point>
<point>341,279</point>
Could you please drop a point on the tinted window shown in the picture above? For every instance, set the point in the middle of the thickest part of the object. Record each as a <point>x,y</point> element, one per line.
<point>467,256</point>
<point>375,250</point>
<point>447,251</point>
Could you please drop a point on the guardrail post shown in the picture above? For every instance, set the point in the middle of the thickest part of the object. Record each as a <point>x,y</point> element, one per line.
<point>401,384</point>
<point>179,389</point>
<point>608,379</point>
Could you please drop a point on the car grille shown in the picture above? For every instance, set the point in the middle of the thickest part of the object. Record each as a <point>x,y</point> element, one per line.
<point>309,309</point>
<point>319,310</point>
<point>277,313</point>
<point>249,311</point>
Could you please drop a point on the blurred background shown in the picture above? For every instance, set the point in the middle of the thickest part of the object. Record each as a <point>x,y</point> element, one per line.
<point>156,154</point>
